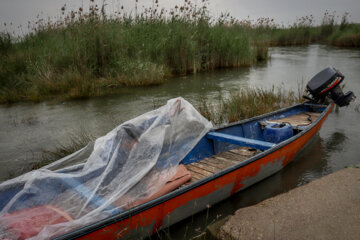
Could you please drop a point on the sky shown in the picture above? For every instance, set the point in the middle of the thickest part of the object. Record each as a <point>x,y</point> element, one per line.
<point>19,12</point>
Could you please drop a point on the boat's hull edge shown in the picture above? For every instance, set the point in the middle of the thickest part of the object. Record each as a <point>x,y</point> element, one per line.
<point>181,206</point>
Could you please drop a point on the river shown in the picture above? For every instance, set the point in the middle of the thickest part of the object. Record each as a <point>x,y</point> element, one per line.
<point>27,129</point>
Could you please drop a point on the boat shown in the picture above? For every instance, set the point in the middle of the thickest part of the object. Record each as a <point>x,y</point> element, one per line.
<point>224,161</point>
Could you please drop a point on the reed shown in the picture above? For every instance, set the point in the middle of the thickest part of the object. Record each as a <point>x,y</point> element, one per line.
<point>63,149</point>
<point>349,36</point>
<point>84,53</point>
<point>247,103</point>
<point>90,53</point>
<point>330,31</point>
<point>301,32</point>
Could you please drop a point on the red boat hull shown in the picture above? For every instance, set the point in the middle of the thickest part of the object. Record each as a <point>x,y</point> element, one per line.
<point>163,214</point>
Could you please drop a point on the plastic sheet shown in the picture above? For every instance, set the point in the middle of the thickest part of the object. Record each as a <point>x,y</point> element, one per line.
<point>131,162</point>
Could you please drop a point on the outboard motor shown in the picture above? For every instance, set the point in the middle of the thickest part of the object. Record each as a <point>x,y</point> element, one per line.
<point>326,84</point>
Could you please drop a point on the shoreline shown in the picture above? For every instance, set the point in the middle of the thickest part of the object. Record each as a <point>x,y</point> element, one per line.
<point>90,53</point>
<point>326,208</point>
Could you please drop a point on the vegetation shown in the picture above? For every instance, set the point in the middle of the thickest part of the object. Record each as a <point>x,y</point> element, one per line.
<point>84,54</point>
<point>89,53</point>
<point>247,103</point>
<point>344,34</point>
<point>75,143</point>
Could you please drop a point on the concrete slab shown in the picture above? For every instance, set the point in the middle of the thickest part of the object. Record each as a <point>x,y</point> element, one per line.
<point>327,208</point>
<point>212,231</point>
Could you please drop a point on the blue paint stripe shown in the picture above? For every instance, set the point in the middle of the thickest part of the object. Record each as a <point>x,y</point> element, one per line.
<point>247,142</point>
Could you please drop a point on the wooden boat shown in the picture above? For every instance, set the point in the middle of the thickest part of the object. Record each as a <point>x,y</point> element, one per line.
<point>227,160</point>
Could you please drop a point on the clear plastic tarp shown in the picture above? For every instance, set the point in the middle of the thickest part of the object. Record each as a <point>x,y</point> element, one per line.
<point>131,162</point>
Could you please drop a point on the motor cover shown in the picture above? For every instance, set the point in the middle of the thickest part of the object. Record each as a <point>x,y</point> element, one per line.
<point>327,84</point>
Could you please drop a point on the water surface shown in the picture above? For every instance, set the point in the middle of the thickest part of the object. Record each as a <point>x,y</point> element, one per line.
<point>27,129</point>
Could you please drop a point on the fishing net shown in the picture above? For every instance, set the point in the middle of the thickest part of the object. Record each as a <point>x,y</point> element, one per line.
<point>130,163</point>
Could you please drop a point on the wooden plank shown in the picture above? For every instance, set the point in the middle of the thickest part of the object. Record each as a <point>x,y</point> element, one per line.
<point>198,170</point>
<point>193,180</point>
<point>215,163</point>
<point>206,167</point>
<point>195,175</point>
<point>233,157</point>
<point>244,152</point>
<point>222,161</point>
<point>225,160</point>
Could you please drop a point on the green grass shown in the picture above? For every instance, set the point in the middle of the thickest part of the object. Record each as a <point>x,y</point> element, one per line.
<point>86,54</point>
<point>295,35</point>
<point>302,32</point>
<point>349,36</point>
<point>75,143</point>
<point>247,103</point>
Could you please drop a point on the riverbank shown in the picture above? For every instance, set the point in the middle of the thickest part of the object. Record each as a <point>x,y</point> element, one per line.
<point>89,53</point>
<point>326,208</point>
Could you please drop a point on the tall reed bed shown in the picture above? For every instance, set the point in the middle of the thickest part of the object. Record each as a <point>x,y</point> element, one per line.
<point>330,31</point>
<point>90,53</point>
<point>86,53</point>
<point>349,36</point>
<point>247,103</point>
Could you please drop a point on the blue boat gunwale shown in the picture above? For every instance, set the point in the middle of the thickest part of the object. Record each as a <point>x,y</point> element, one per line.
<point>136,210</point>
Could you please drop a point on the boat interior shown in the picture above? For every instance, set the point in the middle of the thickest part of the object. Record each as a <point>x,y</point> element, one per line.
<point>227,146</point>
<point>219,149</point>
<point>230,145</point>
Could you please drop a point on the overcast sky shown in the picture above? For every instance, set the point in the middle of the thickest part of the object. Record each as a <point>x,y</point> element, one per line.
<point>19,12</point>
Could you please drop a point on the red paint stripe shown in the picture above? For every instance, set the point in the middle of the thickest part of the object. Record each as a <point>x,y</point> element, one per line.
<point>333,85</point>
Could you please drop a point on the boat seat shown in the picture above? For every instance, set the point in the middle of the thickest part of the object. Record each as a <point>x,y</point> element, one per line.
<point>241,141</point>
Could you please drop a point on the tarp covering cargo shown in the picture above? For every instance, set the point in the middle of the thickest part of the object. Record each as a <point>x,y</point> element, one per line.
<point>130,163</point>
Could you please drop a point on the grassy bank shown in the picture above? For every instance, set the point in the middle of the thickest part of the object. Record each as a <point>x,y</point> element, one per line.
<point>89,53</point>
<point>331,32</point>
<point>86,54</point>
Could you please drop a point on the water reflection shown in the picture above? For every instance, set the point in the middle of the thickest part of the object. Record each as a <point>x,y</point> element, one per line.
<point>335,142</point>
